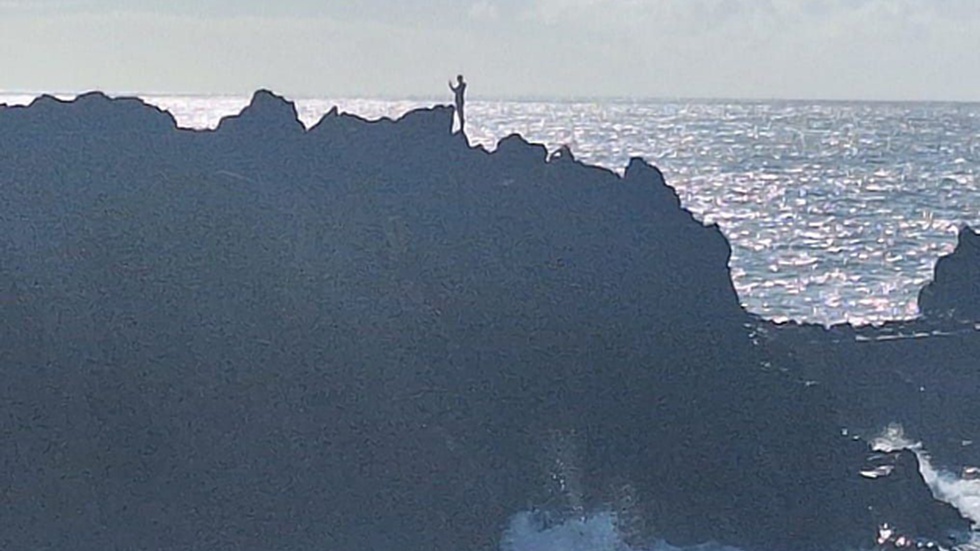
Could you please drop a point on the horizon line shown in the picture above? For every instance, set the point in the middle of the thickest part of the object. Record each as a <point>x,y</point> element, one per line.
<point>517,98</point>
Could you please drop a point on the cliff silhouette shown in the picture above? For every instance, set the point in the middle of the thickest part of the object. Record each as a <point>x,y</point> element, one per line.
<point>371,335</point>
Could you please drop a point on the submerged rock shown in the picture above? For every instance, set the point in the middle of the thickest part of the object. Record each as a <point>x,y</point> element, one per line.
<point>370,335</point>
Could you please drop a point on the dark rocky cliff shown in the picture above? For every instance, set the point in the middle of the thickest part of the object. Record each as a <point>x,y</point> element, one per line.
<point>370,335</point>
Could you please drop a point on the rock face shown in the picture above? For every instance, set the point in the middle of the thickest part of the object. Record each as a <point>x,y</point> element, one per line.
<point>903,485</point>
<point>920,373</point>
<point>954,292</point>
<point>370,335</point>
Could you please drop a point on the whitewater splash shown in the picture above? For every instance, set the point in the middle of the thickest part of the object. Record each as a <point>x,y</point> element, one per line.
<point>534,531</point>
<point>962,493</point>
<point>529,531</point>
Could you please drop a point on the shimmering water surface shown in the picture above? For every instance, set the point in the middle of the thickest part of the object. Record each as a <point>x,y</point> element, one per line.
<point>836,211</point>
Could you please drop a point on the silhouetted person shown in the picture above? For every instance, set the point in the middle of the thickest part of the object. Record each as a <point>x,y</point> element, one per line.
<point>460,90</point>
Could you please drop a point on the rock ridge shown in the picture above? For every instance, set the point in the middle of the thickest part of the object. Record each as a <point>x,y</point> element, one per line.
<point>357,335</point>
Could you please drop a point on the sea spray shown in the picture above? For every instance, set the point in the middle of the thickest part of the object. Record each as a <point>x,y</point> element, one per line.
<point>530,531</point>
<point>604,531</point>
<point>961,493</point>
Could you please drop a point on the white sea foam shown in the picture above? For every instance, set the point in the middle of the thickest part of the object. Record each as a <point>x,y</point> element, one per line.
<point>528,532</point>
<point>952,488</point>
<point>962,493</point>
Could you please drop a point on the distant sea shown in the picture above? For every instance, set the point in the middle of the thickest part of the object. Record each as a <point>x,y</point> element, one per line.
<point>836,211</point>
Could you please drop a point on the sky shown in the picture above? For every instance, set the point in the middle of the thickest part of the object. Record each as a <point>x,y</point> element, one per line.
<point>758,49</point>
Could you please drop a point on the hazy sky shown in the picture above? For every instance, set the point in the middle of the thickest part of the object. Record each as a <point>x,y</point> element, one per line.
<point>840,49</point>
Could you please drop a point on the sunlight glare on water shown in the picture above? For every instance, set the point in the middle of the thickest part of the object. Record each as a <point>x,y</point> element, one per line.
<point>836,211</point>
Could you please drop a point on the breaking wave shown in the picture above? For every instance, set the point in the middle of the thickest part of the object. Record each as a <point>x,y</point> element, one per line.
<point>538,531</point>
<point>957,489</point>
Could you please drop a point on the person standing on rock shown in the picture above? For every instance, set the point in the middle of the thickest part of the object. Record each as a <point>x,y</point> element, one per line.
<point>460,90</point>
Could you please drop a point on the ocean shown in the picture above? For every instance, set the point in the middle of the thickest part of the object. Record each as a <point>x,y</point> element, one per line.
<point>836,211</point>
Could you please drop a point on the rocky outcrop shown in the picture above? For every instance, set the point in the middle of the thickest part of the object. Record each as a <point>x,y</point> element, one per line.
<point>89,114</point>
<point>919,373</point>
<point>266,116</point>
<point>897,478</point>
<point>370,335</point>
<point>954,292</point>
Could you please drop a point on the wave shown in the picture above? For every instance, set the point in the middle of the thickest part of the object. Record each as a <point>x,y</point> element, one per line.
<point>962,492</point>
<point>602,531</point>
